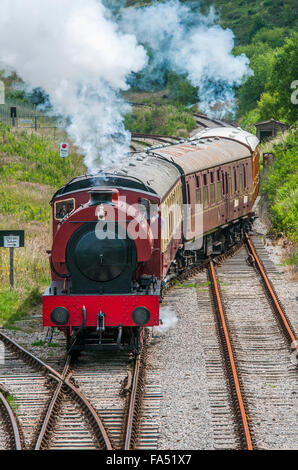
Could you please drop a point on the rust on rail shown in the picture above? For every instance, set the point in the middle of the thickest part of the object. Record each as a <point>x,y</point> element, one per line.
<point>244,420</point>
<point>76,393</point>
<point>272,294</point>
<point>13,421</point>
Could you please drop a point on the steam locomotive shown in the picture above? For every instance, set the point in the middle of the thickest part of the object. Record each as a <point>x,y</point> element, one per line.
<point>119,236</point>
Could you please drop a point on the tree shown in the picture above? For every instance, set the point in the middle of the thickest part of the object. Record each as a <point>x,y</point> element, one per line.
<point>268,107</point>
<point>181,89</point>
<point>284,74</point>
<point>261,62</point>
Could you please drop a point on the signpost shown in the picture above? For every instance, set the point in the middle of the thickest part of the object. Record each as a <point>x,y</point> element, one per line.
<point>64,151</point>
<point>12,239</point>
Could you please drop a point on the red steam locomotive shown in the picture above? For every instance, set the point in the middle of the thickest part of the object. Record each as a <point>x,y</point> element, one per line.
<point>119,236</point>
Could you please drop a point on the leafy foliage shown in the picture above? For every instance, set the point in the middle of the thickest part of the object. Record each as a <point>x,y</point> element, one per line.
<point>280,187</point>
<point>284,73</point>
<point>261,61</point>
<point>164,119</point>
<point>181,90</point>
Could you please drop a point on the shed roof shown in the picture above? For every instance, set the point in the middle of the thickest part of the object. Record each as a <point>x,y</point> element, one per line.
<point>269,121</point>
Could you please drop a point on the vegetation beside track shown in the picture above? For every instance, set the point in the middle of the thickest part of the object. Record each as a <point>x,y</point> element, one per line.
<point>166,119</point>
<point>30,172</point>
<point>279,189</point>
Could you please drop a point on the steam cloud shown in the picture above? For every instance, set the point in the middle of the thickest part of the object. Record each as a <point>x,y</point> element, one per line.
<point>180,38</point>
<point>85,52</point>
<point>168,318</point>
<point>73,50</point>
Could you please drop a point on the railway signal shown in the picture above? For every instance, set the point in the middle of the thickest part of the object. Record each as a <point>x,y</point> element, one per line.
<point>12,239</point>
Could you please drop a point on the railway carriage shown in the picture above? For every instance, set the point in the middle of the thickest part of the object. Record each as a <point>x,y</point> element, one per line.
<point>118,237</point>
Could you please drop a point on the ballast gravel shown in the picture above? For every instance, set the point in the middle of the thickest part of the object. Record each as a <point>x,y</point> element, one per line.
<point>185,416</point>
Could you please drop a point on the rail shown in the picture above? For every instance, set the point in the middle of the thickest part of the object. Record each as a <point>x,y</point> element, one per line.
<point>12,424</point>
<point>237,397</point>
<point>96,422</point>
<point>273,298</point>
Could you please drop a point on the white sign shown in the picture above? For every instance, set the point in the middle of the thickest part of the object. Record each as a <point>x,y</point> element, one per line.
<point>26,121</point>
<point>64,150</point>
<point>2,92</point>
<point>11,241</point>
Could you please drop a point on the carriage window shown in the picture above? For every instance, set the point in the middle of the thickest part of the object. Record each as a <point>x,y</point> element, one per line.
<point>218,175</point>
<point>235,179</point>
<point>212,193</point>
<point>241,180</point>
<point>244,176</point>
<point>144,207</point>
<point>171,222</point>
<point>197,181</point>
<point>188,192</point>
<point>211,177</point>
<point>205,179</point>
<point>205,196</point>
<point>223,183</point>
<point>62,208</point>
<point>198,196</point>
<point>218,191</point>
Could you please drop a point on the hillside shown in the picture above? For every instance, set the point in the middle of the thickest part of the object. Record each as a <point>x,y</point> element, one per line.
<point>246,17</point>
<point>30,172</point>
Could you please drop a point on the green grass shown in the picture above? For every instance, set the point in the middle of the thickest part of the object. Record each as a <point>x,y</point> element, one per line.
<point>30,158</point>
<point>291,260</point>
<point>45,344</point>
<point>12,401</point>
<point>16,307</point>
<point>31,170</point>
<point>166,119</point>
<point>181,285</point>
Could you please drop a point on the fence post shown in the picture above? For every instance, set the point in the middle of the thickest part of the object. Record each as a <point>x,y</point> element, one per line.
<point>35,123</point>
<point>11,274</point>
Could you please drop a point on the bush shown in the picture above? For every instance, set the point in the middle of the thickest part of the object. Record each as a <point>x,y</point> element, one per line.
<point>280,188</point>
<point>167,120</point>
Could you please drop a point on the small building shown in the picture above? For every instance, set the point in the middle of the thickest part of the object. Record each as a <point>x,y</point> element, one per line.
<point>268,129</point>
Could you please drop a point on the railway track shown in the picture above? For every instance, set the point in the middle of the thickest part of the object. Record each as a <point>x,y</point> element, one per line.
<point>60,408</point>
<point>10,423</point>
<point>140,141</point>
<point>253,402</point>
<point>37,391</point>
<point>251,380</point>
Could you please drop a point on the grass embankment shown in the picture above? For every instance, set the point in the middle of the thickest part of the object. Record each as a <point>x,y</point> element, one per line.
<point>279,189</point>
<point>166,119</point>
<point>30,172</point>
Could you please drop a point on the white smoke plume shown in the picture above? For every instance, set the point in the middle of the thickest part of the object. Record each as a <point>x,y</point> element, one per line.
<point>83,53</point>
<point>78,55</point>
<point>182,39</point>
<point>168,320</point>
